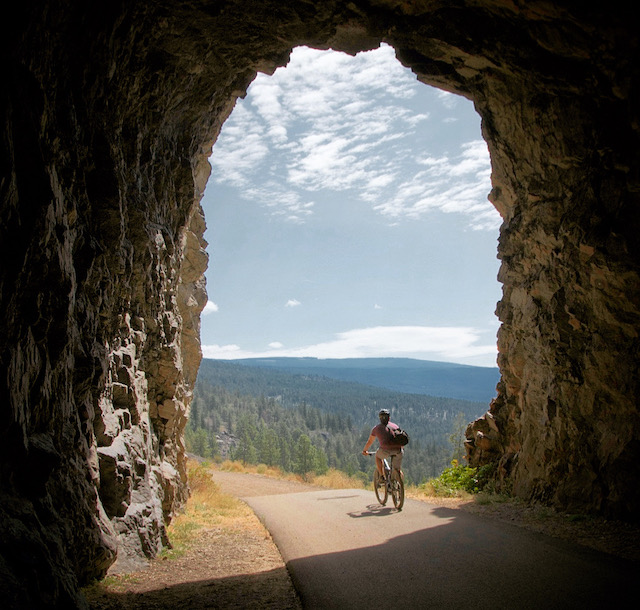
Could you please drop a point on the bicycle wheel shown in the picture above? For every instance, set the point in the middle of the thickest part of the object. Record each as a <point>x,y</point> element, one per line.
<point>380,488</point>
<point>397,489</point>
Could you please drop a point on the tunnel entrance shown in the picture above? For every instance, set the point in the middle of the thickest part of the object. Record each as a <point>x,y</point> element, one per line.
<point>110,114</point>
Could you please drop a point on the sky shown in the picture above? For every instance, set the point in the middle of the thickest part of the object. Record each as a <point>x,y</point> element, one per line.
<point>347,217</point>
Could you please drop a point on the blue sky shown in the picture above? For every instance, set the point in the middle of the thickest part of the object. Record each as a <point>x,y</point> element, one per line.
<point>347,216</point>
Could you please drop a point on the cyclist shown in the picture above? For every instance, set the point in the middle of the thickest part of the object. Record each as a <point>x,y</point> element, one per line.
<point>385,450</point>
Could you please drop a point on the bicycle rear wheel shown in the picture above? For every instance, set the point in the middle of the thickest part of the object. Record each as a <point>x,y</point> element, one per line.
<point>397,490</point>
<point>380,487</point>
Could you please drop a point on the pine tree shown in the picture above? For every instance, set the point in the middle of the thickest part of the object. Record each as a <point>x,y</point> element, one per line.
<point>304,455</point>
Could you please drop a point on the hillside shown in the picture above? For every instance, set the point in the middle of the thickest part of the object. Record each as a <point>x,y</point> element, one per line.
<point>406,375</point>
<point>330,394</point>
<point>262,414</point>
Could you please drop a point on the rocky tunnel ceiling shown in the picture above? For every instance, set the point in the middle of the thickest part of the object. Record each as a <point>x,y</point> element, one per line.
<point>109,114</point>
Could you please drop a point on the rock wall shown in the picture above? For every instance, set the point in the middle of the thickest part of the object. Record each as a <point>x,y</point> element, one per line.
<point>102,286</point>
<point>565,427</point>
<point>109,112</point>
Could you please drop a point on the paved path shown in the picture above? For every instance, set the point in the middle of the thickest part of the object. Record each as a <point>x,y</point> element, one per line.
<point>344,550</point>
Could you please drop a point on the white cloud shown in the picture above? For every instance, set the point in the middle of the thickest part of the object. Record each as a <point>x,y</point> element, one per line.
<point>458,185</point>
<point>240,151</point>
<point>474,160</point>
<point>293,303</point>
<point>284,203</point>
<point>276,345</point>
<point>334,122</point>
<point>210,307</point>
<point>222,352</point>
<point>449,100</point>
<point>449,344</point>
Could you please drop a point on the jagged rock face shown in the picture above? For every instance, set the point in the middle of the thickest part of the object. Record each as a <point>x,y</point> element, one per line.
<point>109,114</point>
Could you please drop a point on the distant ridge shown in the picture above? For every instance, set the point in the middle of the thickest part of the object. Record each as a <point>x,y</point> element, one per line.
<point>408,375</point>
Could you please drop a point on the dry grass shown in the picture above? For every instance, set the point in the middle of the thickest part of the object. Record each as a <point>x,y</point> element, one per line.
<point>268,471</point>
<point>335,479</point>
<point>207,508</point>
<point>332,479</point>
<point>221,551</point>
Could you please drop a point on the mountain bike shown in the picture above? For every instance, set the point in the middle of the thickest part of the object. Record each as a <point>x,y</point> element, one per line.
<point>392,484</point>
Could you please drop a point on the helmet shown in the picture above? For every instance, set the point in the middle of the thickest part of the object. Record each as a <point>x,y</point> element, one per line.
<point>384,412</point>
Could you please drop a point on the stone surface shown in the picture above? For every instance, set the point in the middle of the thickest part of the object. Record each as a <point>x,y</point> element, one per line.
<point>109,112</point>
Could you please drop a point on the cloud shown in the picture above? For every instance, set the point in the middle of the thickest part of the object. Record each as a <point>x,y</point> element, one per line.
<point>332,122</point>
<point>276,345</point>
<point>450,185</point>
<point>448,99</point>
<point>222,352</point>
<point>240,151</point>
<point>293,303</point>
<point>447,343</point>
<point>209,308</point>
<point>284,203</point>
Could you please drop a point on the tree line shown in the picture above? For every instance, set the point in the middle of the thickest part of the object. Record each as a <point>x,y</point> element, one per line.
<point>305,423</point>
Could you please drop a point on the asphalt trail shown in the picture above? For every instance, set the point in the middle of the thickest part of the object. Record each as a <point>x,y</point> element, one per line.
<point>344,550</point>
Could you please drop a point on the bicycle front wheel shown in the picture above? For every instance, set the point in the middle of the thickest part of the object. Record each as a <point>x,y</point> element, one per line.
<point>380,487</point>
<point>397,490</point>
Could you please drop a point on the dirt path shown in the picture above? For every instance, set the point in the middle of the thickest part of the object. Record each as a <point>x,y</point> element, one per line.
<point>238,568</point>
<point>242,568</point>
<point>248,485</point>
<point>226,570</point>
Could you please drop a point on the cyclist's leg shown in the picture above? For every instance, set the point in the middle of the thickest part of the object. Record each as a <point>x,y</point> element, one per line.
<point>397,463</point>
<point>379,465</point>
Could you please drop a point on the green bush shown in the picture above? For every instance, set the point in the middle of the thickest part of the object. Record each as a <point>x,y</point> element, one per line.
<point>456,479</point>
<point>484,477</point>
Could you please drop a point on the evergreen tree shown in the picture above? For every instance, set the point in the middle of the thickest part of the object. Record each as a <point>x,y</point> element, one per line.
<point>457,436</point>
<point>247,435</point>
<point>286,462</point>
<point>304,455</point>
<point>269,448</point>
<point>321,463</point>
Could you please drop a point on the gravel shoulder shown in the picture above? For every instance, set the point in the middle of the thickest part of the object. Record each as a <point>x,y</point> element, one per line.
<point>225,570</point>
<point>228,567</point>
<point>611,537</point>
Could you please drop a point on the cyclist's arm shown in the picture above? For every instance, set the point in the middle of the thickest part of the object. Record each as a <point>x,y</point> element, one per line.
<point>369,443</point>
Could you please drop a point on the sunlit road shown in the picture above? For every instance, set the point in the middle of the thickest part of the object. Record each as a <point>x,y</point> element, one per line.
<point>344,550</point>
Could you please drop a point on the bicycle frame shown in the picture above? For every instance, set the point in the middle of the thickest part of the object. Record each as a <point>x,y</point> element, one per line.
<point>388,465</point>
<point>393,483</point>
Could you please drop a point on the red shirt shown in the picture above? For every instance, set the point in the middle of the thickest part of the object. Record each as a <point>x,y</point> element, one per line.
<point>384,436</point>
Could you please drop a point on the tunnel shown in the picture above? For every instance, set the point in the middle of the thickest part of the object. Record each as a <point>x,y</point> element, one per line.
<point>110,112</point>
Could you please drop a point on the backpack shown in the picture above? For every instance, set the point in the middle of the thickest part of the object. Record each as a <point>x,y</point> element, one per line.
<point>397,437</point>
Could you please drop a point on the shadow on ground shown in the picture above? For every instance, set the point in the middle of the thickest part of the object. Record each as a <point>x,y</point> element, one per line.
<point>263,590</point>
<point>465,562</point>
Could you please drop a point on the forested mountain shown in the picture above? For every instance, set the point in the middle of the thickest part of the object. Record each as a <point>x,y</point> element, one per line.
<point>406,375</point>
<point>305,422</point>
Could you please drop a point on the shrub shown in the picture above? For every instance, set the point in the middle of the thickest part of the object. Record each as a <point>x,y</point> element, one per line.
<point>454,480</point>
<point>232,466</point>
<point>484,477</point>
